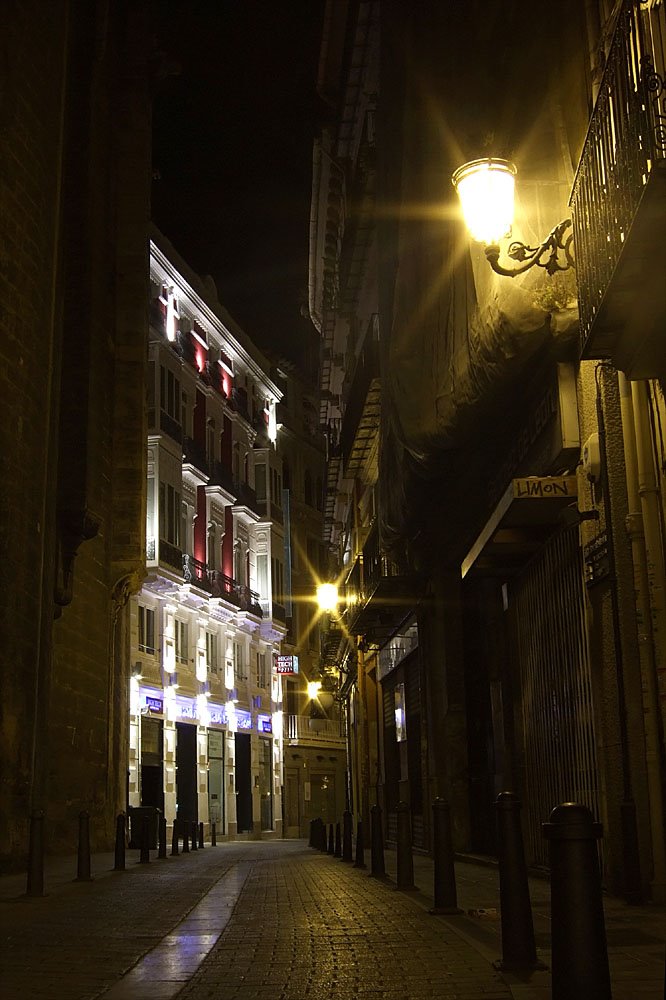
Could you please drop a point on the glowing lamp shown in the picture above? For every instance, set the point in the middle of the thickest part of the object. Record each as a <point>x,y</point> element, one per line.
<point>486,191</point>
<point>327,596</point>
<point>313,689</point>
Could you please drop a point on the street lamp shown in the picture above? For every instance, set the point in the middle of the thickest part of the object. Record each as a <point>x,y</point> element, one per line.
<point>486,191</point>
<point>327,596</point>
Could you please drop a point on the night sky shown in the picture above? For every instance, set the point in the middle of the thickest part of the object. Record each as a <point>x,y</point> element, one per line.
<point>232,153</point>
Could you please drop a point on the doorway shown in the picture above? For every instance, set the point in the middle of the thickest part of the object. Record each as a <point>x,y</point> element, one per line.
<point>243,784</point>
<point>152,774</point>
<point>186,773</point>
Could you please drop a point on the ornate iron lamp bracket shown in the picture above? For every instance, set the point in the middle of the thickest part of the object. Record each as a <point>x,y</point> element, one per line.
<point>556,249</point>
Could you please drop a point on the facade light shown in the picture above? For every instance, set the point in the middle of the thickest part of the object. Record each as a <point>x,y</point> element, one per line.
<point>486,191</point>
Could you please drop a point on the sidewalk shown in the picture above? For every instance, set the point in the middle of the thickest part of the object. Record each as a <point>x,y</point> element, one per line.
<point>277,920</point>
<point>636,935</point>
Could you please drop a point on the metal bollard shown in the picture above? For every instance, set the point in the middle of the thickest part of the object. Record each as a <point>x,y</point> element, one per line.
<point>186,835</point>
<point>193,829</point>
<point>119,860</point>
<point>201,835</point>
<point>311,838</point>
<point>35,880</point>
<point>213,835</point>
<point>83,859</point>
<point>445,894</point>
<point>331,841</point>
<point>578,932</point>
<point>360,847</point>
<point>322,835</point>
<point>518,947</point>
<point>377,867</point>
<point>174,838</point>
<point>338,841</point>
<point>346,835</point>
<point>405,873</point>
<point>162,836</point>
<point>144,849</point>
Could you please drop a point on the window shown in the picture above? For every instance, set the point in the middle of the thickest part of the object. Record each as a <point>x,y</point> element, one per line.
<point>181,641</point>
<point>169,393</point>
<point>146,630</point>
<point>238,662</point>
<point>170,514</point>
<point>276,488</point>
<point>211,652</point>
<point>277,580</point>
<point>210,444</point>
<point>262,674</point>
<point>260,482</point>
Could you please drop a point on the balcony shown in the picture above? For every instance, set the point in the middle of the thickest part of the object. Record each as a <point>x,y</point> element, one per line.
<point>223,586</point>
<point>196,573</point>
<point>360,426</point>
<point>171,556</point>
<point>248,600</point>
<point>386,593</point>
<point>171,426</point>
<point>618,201</point>
<point>298,729</point>
<point>194,456</point>
<point>246,497</point>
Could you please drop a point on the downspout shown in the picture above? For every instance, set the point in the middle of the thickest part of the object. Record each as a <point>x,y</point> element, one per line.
<point>650,578</point>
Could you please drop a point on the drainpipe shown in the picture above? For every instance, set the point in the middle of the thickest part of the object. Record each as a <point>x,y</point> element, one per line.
<point>643,525</point>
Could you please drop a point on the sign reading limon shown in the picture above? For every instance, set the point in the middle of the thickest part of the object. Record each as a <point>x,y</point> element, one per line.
<point>545,487</point>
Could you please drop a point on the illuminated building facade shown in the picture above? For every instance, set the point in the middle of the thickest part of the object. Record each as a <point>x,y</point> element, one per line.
<point>495,478</point>
<point>205,734</point>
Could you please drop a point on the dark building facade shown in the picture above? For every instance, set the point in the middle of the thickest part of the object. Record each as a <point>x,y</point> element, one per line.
<point>75,201</point>
<point>494,490</point>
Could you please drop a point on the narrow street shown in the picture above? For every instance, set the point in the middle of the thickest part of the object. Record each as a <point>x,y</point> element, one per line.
<point>280,921</point>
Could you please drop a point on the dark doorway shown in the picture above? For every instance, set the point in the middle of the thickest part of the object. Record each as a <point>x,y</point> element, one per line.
<point>243,784</point>
<point>186,772</point>
<point>152,777</point>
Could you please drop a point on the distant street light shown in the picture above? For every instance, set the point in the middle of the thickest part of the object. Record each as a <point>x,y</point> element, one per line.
<point>327,596</point>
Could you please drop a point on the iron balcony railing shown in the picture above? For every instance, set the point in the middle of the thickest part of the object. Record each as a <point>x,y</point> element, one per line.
<point>170,426</point>
<point>194,454</point>
<point>305,729</point>
<point>171,555</point>
<point>625,141</point>
<point>196,572</point>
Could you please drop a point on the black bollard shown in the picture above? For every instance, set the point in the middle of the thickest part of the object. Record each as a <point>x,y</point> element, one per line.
<point>186,835</point>
<point>201,835</point>
<point>360,847</point>
<point>331,840</point>
<point>322,835</point>
<point>83,859</point>
<point>578,933</point>
<point>119,862</point>
<point>213,835</point>
<point>311,837</point>
<point>518,947</point>
<point>174,839</point>
<point>405,873</point>
<point>445,894</point>
<point>346,835</point>
<point>35,880</point>
<point>162,835</point>
<point>144,849</point>
<point>194,831</point>
<point>377,867</point>
<point>338,841</point>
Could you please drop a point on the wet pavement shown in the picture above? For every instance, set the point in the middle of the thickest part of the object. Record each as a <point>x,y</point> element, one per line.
<point>277,920</point>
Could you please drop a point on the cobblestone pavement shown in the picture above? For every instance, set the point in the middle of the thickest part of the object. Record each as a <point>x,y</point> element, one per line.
<point>275,920</point>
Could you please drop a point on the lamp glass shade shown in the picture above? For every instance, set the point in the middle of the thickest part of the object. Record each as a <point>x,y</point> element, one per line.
<point>327,596</point>
<point>486,192</point>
